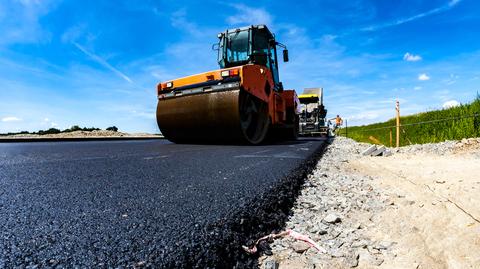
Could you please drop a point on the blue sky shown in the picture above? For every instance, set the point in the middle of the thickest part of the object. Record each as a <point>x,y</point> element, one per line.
<point>96,63</point>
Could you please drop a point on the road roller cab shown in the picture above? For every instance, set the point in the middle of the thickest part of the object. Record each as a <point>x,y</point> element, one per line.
<point>242,101</point>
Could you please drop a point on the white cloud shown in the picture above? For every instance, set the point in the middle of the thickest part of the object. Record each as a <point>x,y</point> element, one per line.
<point>30,3</point>
<point>248,15</point>
<point>411,57</point>
<point>10,119</point>
<point>454,2</point>
<point>102,62</point>
<point>143,114</point>
<point>367,115</point>
<point>451,80</point>
<point>392,101</point>
<point>328,37</point>
<point>443,95</point>
<point>179,20</point>
<point>423,77</point>
<point>159,72</point>
<point>20,21</point>
<point>450,104</point>
<point>73,33</point>
<point>417,88</point>
<point>440,9</point>
<point>47,121</point>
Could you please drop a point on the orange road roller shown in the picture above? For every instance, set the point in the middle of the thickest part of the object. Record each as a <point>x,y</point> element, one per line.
<point>242,102</point>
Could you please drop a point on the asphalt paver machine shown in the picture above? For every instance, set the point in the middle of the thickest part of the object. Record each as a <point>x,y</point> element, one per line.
<point>313,113</point>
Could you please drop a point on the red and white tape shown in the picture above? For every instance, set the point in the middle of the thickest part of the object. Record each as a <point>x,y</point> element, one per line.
<point>295,235</point>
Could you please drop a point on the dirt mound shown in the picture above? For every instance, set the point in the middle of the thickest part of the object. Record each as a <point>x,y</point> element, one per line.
<point>415,209</point>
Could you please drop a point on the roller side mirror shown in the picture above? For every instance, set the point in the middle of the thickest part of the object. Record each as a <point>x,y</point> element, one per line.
<point>285,55</point>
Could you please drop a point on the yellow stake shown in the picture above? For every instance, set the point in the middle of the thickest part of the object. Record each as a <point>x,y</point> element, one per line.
<point>398,123</point>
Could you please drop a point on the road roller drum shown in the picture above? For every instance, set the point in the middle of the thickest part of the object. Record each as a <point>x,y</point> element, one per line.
<point>215,117</point>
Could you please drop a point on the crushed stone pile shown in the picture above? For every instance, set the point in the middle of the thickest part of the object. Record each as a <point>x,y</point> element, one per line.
<point>443,148</point>
<point>341,206</point>
<point>327,211</point>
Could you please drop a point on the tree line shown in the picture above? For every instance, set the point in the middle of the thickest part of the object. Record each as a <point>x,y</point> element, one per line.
<point>69,130</point>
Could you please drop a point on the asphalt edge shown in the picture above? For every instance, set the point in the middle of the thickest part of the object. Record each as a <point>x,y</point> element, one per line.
<point>69,139</point>
<point>219,244</point>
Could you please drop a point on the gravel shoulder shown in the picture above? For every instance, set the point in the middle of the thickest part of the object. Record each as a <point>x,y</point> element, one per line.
<point>415,209</point>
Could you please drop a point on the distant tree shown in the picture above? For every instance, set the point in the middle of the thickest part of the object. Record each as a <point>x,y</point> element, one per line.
<point>90,129</point>
<point>113,128</point>
<point>49,131</point>
<point>78,128</point>
<point>73,129</point>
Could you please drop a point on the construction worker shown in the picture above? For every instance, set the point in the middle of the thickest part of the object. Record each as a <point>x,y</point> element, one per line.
<point>338,121</point>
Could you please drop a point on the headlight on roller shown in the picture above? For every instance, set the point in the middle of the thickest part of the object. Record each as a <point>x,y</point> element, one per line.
<point>229,73</point>
<point>225,73</point>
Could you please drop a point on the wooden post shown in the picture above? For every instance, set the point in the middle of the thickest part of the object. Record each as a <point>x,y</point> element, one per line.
<point>397,107</point>
<point>391,138</point>
<point>346,128</point>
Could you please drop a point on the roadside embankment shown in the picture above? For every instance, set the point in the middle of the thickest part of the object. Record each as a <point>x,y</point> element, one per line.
<point>78,136</point>
<point>415,209</point>
<point>427,127</point>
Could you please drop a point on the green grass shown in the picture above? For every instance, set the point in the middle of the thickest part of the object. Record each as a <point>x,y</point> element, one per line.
<point>432,132</point>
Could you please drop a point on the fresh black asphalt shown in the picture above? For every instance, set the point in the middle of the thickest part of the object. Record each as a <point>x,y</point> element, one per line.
<point>143,203</point>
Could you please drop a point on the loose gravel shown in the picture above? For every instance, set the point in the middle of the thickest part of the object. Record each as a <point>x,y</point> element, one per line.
<point>442,148</point>
<point>341,206</point>
<point>333,209</point>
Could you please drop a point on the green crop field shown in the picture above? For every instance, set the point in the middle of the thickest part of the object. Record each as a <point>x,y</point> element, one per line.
<point>448,124</point>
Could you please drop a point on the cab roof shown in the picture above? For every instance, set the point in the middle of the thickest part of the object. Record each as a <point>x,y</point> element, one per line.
<point>259,26</point>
